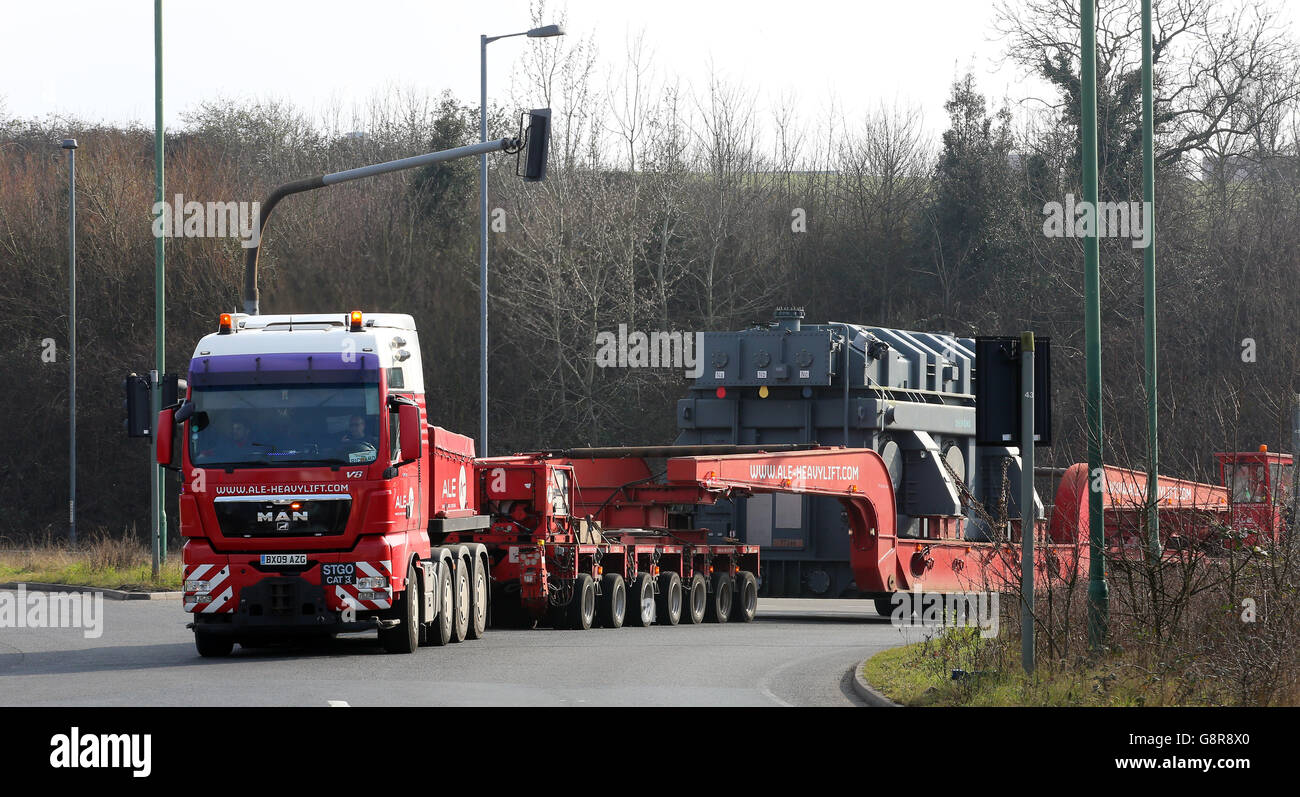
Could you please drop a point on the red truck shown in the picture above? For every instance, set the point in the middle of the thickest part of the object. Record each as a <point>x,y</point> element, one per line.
<point>318,499</point>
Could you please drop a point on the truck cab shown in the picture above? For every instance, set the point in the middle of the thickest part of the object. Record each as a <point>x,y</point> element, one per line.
<point>308,474</point>
<point>1259,485</point>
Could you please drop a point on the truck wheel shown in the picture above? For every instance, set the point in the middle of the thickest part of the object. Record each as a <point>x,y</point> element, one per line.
<point>642,598</point>
<point>582,609</point>
<point>478,615</point>
<point>613,600</point>
<point>405,636</point>
<point>213,646</point>
<point>438,632</point>
<point>507,611</point>
<point>460,624</point>
<point>668,603</point>
<point>557,617</point>
<point>697,599</point>
<point>744,602</point>
<point>720,600</point>
<point>884,606</point>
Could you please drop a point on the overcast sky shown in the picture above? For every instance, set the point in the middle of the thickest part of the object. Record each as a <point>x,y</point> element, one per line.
<point>94,58</point>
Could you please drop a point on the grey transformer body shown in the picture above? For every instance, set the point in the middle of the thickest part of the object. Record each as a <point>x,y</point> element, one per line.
<point>908,395</point>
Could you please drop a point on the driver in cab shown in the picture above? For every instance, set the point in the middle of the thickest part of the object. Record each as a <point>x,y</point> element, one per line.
<point>356,432</point>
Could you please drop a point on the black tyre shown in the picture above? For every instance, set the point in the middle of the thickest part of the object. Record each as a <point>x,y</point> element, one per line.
<point>668,603</point>
<point>697,600</point>
<point>405,636</point>
<point>613,601</point>
<point>582,609</point>
<point>439,632</point>
<point>478,600</point>
<point>507,611</point>
<point>460,617</point>
<point>744,601</point>
<point>213,646</point>
<point>641,601</point>
<point>884,606</point>
<point>720,600</point>
<point>557,617</point>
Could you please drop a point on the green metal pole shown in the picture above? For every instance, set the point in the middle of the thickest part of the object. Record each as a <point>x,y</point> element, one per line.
<point>1149,292</point>
<point>1027,516</point>
<point>159,310</point>
<point>1098,594</point>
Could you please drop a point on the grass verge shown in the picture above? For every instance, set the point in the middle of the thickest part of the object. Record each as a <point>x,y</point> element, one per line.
<point>921,674</point>
<point>102,562</point>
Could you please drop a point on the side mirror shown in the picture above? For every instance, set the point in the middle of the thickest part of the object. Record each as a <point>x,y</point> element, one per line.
<point>164,433</point>
<point>408,420</point>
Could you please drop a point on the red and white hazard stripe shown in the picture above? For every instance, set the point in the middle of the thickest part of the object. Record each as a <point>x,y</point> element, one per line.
<point>219,600</point>
<point>350,595</point>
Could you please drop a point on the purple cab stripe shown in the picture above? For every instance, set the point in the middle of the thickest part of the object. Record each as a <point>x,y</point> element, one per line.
<point>294,366</point>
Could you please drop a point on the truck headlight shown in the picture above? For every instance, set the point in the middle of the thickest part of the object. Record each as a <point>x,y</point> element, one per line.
<point>196,586</point>
<point>372,582</point>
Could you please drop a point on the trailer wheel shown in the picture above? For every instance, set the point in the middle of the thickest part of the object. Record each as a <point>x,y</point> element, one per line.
<point>582,608</point>
<point>697,599</point>
<point>884,606</point>
<point>439,631</point>
<point>641,596</point>
<point>478,618</point>
<point>213,646</point>
<point>460,617</point>
<point>744,601</point>
<point>405,637</point>
<point>507,611</point>
<point>668,603</point>
<point>613,600</point>
<point>720,600</point>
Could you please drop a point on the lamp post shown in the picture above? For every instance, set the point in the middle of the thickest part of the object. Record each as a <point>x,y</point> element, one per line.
<point>70,144</point>
<point>484,41</point>
<point>158,473</point>
<point>1098,591</point>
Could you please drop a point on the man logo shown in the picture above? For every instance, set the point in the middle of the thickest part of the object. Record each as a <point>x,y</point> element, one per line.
<point>282,519</point>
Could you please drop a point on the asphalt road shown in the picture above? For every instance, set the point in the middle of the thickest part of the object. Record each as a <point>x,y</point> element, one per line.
<point>796,653</point>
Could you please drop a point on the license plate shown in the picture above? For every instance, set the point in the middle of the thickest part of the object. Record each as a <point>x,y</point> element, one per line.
<point>335,574</point>
<point>284,559</point>
<point>370,596</point>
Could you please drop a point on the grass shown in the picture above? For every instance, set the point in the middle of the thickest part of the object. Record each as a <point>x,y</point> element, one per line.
<point>124,564</point>
<point>920,674</point>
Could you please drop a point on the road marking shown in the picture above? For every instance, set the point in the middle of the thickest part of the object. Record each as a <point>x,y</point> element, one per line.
<point>338,703</point>
<point>764,685</point>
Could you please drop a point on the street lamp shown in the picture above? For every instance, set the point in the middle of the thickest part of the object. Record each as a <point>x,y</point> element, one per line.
<point>70,144</point>
<point>536,33</point>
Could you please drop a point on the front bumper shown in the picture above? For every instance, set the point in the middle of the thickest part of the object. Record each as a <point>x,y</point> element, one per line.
<point>279,606</point>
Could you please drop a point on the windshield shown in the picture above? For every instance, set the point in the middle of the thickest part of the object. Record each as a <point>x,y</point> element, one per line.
<point>1282,476</point>
<point>278,425</point>
<point>1246,482</point>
